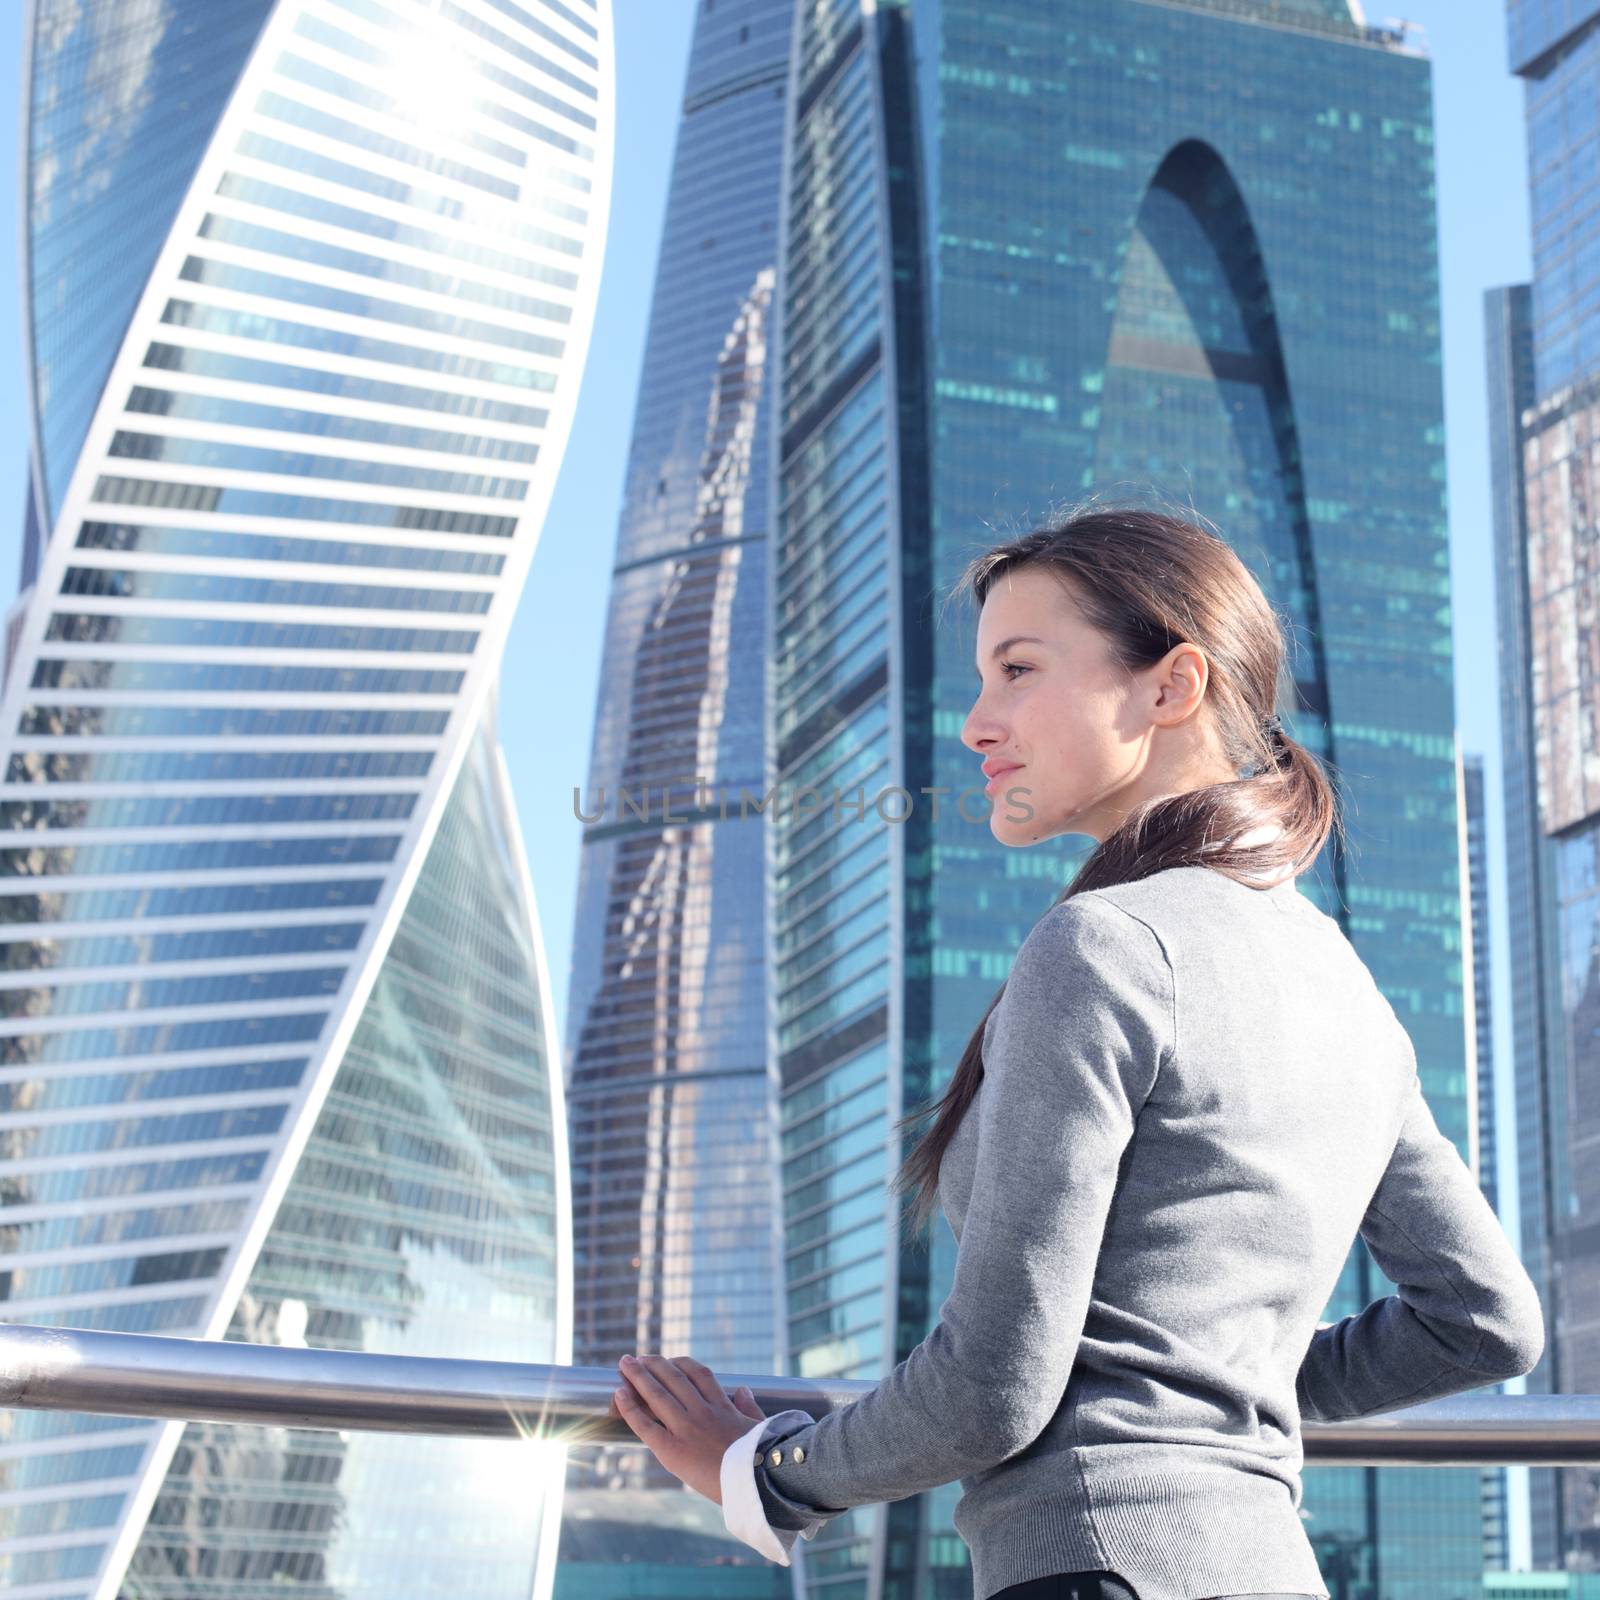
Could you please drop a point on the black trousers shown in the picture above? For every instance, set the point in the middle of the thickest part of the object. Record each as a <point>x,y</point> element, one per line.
<point>1071,1586</point>
<point>1098,1586</point>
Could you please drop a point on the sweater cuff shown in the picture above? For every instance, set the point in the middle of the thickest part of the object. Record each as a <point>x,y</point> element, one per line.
<point>741,1505</point>
<point>743,1510</point>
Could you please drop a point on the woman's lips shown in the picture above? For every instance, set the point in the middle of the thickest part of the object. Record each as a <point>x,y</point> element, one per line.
<point>999,778</point>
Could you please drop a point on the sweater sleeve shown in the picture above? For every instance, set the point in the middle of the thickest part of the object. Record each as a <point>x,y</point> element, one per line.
<point>1073,1051</point>
<point>1465,1312</point>
<point>744,1514</point>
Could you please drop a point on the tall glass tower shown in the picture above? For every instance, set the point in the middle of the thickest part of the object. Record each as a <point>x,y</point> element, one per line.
<point>310,287</point>
<point>1031,253</point>
<point>1544,381</point>
<point>1474,826</point>
<point>668,1093</point>
<point>1538,1032</point>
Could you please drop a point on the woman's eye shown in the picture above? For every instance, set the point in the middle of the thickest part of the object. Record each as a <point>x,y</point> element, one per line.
<point>1008,667</point>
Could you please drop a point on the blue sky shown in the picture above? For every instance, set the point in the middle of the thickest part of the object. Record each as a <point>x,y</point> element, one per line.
<point>552,666</point>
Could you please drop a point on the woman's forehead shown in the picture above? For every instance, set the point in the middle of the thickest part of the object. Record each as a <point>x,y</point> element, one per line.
<point>1031,600</point>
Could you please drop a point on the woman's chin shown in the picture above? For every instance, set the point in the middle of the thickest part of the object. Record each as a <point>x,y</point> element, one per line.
<point>1014,833</point>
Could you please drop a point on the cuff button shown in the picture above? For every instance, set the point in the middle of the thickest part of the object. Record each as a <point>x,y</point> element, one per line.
<point>799,1454</point>
<point>775,1458</point>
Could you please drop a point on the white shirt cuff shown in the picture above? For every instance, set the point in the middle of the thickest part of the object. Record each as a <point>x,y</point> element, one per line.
<point>741,1504</point>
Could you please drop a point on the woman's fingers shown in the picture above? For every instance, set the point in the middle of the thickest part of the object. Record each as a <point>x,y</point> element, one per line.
<point>664,1389</point>
<point>701,1376</point>
<point>637,1414</point>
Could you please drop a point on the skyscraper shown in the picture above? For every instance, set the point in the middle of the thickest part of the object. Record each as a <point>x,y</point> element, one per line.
<point>1474,825</point>
<point>669,1099</point>
<point>310,287</point>
<point>1031,253</point>
<point>1544,381</point>
<point>1538,1047</point>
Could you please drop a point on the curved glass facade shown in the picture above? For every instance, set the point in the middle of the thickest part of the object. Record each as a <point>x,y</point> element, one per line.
<point>849,953</point>
<point>122,103</point>
<point>1033,255</point>
<point>273,1061</point>
<point>669,1099</point>
<point>421,1219</point>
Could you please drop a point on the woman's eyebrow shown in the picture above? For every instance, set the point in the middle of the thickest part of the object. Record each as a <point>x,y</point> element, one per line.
<point>1005,644</point>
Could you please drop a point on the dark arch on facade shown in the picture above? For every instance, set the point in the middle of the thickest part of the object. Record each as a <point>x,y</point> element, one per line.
<point>1196,175</point>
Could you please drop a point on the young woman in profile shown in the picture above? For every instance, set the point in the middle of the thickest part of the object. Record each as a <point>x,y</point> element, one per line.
<point>1159,1145</point>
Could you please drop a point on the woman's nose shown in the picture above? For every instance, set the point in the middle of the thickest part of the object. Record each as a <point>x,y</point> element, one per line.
<point>979,730</point>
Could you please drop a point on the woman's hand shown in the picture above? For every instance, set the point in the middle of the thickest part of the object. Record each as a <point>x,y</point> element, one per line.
<point>679,1410</point>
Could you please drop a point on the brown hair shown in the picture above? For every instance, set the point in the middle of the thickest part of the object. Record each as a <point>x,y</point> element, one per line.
<point>1149,580</point>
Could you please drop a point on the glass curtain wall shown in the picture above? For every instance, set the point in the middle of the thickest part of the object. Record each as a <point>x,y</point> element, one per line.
<point>309,294</point>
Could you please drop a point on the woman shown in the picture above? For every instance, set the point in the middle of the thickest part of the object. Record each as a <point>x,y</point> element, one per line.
<point>1158,1147</point>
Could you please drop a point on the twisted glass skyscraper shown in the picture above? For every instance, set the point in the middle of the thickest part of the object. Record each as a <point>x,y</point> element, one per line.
<point>309,287</point>
<point>1034,252</point>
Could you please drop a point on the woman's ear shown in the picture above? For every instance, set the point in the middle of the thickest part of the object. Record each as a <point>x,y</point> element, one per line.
<point>1181,682</point>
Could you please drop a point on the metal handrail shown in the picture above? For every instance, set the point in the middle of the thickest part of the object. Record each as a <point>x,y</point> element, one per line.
<point>209,1380</point>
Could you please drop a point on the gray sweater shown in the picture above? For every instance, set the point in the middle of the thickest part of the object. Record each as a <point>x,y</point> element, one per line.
<point>1194,1098</point>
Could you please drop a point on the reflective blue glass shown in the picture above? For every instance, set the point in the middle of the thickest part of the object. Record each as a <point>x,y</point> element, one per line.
<point>230,230</point>
<point>175,811</point>
<point>528,18</point>
<point>297,291</point>
<point>1563,113</point>
<point>448,1076</point>
<point>683,700</point>
<point>134,446</point>
<point>99,627</point>
<point>1537,27</point>
<point>312,162</point>
<point>213,944</point>
<point>207,855</point>
<point>78,1232</point>
<point>159,540</point>
<point>63,1092</point>
<point>538,59</point>
<point>199,766</point>
<point>185,1127</point>
<point>94,1044</point>
<point>94,1277</point>
<point>145,584</point>
<point>222,722</point>
<point>238,678</point>
<point>87,1465</point>
<point>235,502</point>
<point>831,614</point>
<point>292,203</point>
<point>102,189</point>
<point>59,1516</point>
<point>116,905</point>
<point>150,994</point>
<point>65,1185</point>
<point>315,380</point>
<point>1544,370</point>
<point>275,330</point>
